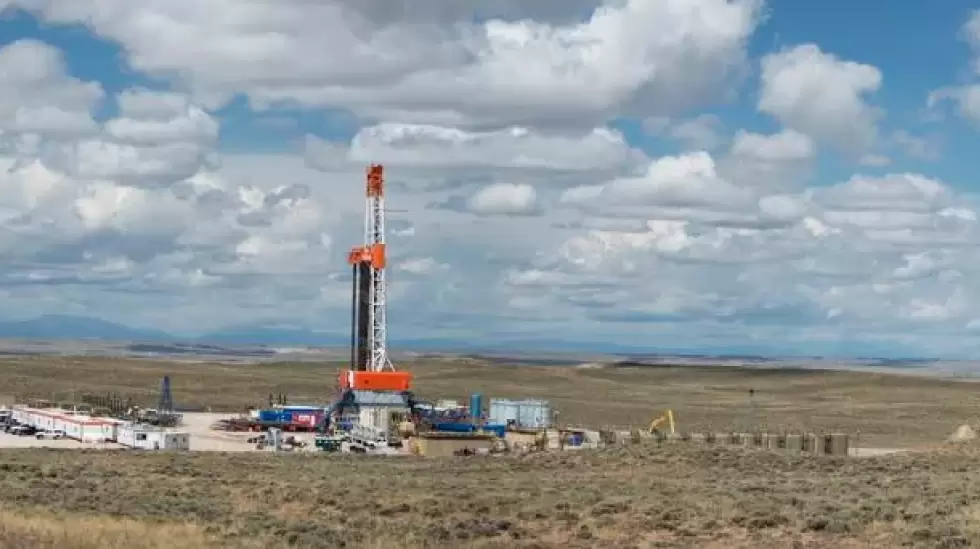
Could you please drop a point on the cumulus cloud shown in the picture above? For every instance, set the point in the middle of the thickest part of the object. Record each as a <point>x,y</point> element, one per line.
<point>965,97</point>
<point>821,95</point>
<point>703,131</point>
<point>776,162</point>
<point>895,250</point>
<point>523,201</point>
<point>157,139</point>
<point>413,145</point>
<point>504,199</point>
<point>448,68</point>
<point>134,203</point>
<point>37,95</point>
<point>747,188</point>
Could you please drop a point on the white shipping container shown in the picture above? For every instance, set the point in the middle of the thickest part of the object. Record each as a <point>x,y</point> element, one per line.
<point>503,411</point>
<point>528,413</point>
<point>534,414</point>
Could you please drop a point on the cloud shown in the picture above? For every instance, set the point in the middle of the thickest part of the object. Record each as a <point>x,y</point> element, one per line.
<point>414,145</point>
<point>135,204</point>
<point>700,132</point>
<point>36,94</point>
<point>445,66</point>
<point>504,199</point>
<point>971,34</point>
<point>965,97</point>
<point>158,139</point>
<point>896,251</point>
<point>422,266</point>
<point>780,161</point>
<point>524,200</point>
<point>918,147</point>
<point>821,95</point>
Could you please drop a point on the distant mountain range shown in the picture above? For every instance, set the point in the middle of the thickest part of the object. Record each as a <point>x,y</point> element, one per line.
<point>82,327</point>
<point>70,327</point>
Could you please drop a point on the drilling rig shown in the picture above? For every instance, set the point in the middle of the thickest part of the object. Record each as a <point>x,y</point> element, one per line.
<point>372,378</point>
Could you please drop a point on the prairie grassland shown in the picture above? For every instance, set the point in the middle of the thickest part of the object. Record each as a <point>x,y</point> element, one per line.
<point>640,496</point>
<point>630,496</point>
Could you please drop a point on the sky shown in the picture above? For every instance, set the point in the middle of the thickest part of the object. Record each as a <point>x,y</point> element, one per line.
<point>783,176</point>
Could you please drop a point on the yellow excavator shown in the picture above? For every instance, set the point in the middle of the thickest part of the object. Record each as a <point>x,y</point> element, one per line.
<point>657,422</point>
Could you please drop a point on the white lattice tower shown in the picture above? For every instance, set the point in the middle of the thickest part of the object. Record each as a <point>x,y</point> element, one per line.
<point>374,239</point>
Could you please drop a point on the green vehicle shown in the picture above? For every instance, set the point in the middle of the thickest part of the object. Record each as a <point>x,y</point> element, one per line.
<point>328,443</point>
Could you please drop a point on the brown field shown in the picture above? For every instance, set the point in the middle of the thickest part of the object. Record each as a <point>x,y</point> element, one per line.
<point>627,496</point>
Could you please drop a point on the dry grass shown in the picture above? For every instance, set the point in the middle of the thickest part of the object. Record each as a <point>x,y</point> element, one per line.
<point>635,496</point>
<point>42,529</point>
<point>886,410</point>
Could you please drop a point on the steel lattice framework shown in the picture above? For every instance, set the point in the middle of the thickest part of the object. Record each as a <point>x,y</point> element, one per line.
<point>374,240</point>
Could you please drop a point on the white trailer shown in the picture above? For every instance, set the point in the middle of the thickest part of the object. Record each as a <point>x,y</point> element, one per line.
<point>76,426</point>
<point>143,437</point>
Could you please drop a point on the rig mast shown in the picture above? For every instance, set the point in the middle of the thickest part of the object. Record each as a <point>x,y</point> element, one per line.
<point>371,368</point>
<point>374,237</point>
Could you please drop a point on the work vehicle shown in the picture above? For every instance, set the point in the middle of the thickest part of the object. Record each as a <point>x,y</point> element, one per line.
<point>22,430</point>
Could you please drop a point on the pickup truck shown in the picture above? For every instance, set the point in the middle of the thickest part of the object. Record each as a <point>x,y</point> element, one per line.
<point>55,435</point>
<point>22,430</point>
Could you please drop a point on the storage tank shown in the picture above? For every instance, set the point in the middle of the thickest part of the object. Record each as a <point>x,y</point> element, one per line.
<point>476,407</point>
<point>534,414</point>
<point>503,411</point>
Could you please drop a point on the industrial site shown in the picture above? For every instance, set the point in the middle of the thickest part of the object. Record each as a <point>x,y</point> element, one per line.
<point>491,274</point>
<point>372,409</point>
<point>452,451</point>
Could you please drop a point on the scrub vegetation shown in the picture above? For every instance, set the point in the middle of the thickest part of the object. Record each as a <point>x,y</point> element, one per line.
<point>621,497</point>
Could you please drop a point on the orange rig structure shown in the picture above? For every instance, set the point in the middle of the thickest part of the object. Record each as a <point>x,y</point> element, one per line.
<point>371,370</point>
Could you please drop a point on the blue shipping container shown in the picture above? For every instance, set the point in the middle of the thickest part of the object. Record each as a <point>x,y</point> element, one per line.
<point>499,430</point>
<point>269,415</point>
<point>454,427</point>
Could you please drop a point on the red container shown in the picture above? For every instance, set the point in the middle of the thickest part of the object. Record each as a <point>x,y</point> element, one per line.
<point>307,419</point>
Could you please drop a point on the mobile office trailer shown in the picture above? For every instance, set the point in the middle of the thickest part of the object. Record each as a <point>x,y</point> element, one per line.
<point>82,428</point>
<point>142,437</point>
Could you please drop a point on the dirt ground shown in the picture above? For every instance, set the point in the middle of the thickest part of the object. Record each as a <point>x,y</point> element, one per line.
<point>203,439</point>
